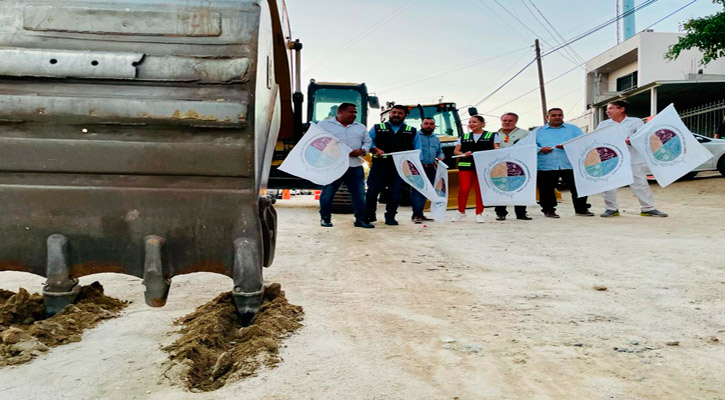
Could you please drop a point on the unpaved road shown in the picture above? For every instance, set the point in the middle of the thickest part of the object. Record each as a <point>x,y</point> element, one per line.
<point>501,310</point>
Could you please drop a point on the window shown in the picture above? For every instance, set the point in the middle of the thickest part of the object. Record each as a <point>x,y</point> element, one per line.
<point>327,101</point>
<point>445,122</point>
<point>627,82</point>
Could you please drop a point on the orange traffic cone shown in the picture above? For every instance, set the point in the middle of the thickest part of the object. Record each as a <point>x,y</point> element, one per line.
<point>317,194</point>
<point>286,195</point>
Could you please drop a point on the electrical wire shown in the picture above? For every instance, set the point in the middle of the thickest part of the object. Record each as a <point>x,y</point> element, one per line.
<point>567,43</point>
<point>420,79</point>
<point>362,35</point>
<point>556,34</point>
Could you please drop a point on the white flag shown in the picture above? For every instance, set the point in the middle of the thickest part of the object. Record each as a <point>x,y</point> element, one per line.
<point>411,170</point>
<point>318,157</point>
<point>670,149</point>
<point>507,177</point>
<point>440,185</point>
<point>600,159</point>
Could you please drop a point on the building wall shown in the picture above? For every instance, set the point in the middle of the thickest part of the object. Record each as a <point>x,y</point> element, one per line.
<point>653,66</point>
<point>626,70</point>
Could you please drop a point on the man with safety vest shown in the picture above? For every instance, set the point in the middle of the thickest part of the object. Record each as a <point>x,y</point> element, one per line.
<point>468,143</point>
<point>388,137</point>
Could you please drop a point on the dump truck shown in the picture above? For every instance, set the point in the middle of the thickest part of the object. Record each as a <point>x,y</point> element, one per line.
<point>136,137</point>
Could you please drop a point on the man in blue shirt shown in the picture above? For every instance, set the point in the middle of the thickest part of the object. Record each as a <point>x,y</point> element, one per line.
<point>430,152</point>
<point>553,164</point>
<point>388,137</point>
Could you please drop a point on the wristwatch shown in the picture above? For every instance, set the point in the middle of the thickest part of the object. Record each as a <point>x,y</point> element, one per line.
<point>363,151</point>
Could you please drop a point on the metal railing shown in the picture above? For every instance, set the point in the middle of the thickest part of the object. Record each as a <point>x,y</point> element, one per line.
<point>704,119</point>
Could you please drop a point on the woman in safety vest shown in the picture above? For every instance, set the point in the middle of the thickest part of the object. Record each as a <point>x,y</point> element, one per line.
<point>475,140</point>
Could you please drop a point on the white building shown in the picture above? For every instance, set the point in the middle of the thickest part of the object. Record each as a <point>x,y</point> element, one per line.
<point>636,70</point>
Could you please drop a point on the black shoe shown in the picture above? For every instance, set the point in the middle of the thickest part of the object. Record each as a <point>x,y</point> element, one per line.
<point>500,218</point>
<point>551,214</point>
<point>363,224</point>
<point>325,222</point>
<point>371,219</point>
<point>585,214</point>
<point>390,221</point>
<point>426,218</point>
<point>525,217</point>
<point>418,219</point>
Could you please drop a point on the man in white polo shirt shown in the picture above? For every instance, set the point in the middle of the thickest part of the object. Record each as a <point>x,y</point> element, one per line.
<point>617,113</point>
<point>510,134</point>
<point>356,137</point>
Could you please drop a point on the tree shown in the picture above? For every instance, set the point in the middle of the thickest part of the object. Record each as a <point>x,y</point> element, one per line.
<point>707,34</point>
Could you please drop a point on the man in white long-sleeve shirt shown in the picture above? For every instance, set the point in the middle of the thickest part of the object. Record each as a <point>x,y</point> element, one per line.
<point>355,136</point>
<point>617,113</point>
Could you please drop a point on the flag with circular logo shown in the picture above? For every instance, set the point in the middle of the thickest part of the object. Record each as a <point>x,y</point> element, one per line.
<point>507,177</point>
<point>600,159</point>
<point>409,167</point>
<point>318,157</point>
<point>440,185</point>
<point>668,147</point>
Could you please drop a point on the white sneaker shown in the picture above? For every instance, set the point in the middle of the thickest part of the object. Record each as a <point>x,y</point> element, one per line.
<point>479,218</point>
<point>458,217</point>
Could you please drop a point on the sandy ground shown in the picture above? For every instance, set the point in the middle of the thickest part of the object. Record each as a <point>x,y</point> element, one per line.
<point>501,310</point>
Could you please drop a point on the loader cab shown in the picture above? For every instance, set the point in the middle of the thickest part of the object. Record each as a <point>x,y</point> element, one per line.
<point>448,123</point>
<point>323,98</point>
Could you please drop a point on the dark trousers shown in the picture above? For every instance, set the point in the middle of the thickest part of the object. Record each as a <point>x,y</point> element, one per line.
<point>546,182</point>
<point>354,179</point>
<point>417,200</point>
<point>520,210</point>
<point>383,174</point>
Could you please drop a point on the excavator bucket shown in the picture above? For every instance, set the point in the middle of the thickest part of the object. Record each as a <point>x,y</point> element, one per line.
<point>136,137</point>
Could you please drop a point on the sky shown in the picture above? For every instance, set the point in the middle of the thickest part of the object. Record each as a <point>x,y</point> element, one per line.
<point>419,51</point>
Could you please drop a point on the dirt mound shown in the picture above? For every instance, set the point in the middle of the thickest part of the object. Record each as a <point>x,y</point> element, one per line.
<point>215,349</point>
<point>25,332</point>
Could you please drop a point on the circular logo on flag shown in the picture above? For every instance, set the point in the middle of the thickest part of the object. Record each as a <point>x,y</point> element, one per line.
<point>508,176</point>
<point>601,161</point>
<point>665,144</point>
<point>440,187</point>
<point>412,174</point>
<point>322,152</point>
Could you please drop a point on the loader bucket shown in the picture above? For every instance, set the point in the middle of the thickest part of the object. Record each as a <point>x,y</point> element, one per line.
<point>136,137</point>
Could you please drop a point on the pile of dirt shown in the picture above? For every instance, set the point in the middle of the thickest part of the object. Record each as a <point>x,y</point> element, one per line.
<point>26,332</point>
<point>215,349</point>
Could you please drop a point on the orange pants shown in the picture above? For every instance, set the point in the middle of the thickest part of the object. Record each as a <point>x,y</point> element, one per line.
<point>468,180</point>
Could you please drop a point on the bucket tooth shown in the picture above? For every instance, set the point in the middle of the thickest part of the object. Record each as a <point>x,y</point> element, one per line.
<point>59,289</point>
<point>157,286</point>
<point>248,290</point>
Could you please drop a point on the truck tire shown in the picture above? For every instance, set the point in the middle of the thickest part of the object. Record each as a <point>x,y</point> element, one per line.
<point>721,165</point>
<point>342,202</point>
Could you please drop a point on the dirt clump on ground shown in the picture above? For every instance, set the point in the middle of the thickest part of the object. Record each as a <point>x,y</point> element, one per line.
<point>215,348</point>
<point>26,331</point>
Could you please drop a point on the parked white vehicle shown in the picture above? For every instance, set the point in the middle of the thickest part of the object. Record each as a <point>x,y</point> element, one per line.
<point>717,148</point>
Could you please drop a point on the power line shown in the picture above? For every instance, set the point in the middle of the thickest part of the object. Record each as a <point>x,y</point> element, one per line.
<point>672,13</point>
<point>560,37</point>
<point>600,27</point>
<point>480,4</point>
<point>567,43</point>
<point>447,71</point>
<point>536,35</point>
<point>362,35</point>
<point>537,88</point>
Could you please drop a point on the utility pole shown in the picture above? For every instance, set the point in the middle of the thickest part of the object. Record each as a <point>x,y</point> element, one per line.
<point>541,79</point>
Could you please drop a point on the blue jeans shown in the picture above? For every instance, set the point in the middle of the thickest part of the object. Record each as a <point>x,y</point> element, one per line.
<point>383,174</point>
<point>354,179</point>
<point>417,200</point>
